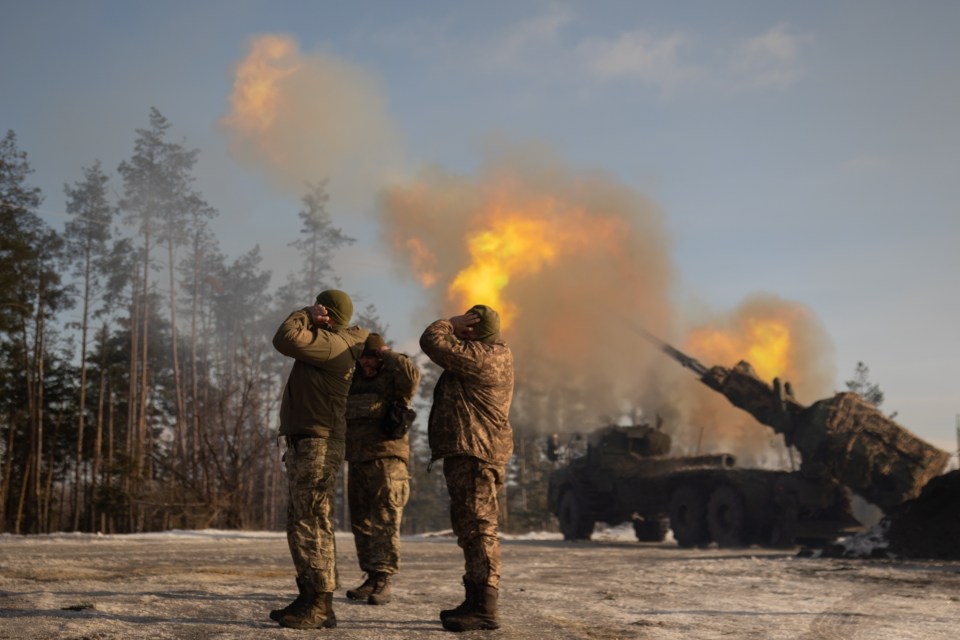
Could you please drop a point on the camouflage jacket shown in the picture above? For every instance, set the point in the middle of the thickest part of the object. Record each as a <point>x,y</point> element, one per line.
<point>315,398</point>
<point>367,404</point>
<point>471,401</point>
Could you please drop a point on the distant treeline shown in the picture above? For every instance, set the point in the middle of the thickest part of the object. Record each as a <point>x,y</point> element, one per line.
<point>139,386</point>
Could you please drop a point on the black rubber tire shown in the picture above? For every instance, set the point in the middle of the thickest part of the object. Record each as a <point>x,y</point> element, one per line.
<point>688,517</point>
<point>654,530</point>
<point>574,523</point>
<point>727,517</point>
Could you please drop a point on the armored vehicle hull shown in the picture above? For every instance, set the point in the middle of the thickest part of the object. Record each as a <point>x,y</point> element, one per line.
<point>703,499</point>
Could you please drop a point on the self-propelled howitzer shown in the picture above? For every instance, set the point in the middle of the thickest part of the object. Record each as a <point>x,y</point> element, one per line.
<point>843,438</point>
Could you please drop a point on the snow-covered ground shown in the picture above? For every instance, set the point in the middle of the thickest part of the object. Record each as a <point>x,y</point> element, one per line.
<point>222,584</point>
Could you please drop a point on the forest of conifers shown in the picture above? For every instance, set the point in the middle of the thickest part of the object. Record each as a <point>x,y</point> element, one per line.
<point>155,406</point>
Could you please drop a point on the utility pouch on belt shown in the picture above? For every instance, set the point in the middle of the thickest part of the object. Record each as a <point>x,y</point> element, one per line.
<point>397,420</point>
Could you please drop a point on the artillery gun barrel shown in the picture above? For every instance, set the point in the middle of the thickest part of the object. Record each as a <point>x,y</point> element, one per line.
<point>844,437</point>
<point>686,361</point>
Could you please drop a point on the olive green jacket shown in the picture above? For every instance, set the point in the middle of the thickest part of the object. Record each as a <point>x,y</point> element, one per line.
<point>471,401</point>
<point>315,397</point>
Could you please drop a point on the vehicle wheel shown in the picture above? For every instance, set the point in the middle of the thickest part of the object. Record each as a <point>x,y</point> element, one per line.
<point>574,523</point>
<point>727,517</point>
<point>653,530</point>
<point>688,517</point>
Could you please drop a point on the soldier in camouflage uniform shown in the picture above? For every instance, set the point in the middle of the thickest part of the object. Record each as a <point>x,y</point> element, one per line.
<point>312,420</point>
<point>469,429</point>
<point>378,449</point>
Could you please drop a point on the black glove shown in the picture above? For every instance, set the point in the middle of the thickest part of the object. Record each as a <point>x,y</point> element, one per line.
<point>396,422</point>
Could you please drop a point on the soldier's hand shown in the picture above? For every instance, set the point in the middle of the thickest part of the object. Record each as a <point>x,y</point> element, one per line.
<point>463,325</point>
<point>319,315</point>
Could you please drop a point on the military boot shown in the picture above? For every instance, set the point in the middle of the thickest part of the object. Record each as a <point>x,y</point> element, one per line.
<point>381,589</point>
<point>364,590</point>
<point>481,615</point>
<point>305,592</point>
<point>464,606</point>
<point>316,614</point>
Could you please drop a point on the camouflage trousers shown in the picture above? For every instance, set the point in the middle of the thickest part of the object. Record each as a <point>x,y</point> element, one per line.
<point>312,466</point>
<point>473,486</point>
<point>377,491</point>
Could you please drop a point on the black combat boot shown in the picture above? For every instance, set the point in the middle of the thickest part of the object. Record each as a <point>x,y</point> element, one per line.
<point>482,615</point>
<point>381,589</point>
<point>302,598</point>
<point>316,614</point>
<point>464,606</point>
<point>363,591</point>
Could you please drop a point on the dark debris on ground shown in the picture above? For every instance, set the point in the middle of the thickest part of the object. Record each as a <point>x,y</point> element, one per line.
<point>927,527</point>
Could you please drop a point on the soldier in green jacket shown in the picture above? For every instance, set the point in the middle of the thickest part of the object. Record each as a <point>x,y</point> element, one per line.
<point>469,429</point>
<point>378,448</point>
<point>312,421</point>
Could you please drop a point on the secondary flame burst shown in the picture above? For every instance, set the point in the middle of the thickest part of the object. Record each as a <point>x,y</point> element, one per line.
<point>304,117</point>
<point>763,342</point>
<point>256,92</point>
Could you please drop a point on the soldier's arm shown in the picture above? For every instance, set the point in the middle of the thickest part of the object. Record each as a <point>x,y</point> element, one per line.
<point>453,355</point>
<point>298,338</point>
<point>408,377</point>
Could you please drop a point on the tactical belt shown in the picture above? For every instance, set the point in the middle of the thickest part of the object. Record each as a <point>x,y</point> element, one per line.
<point>293,441</point>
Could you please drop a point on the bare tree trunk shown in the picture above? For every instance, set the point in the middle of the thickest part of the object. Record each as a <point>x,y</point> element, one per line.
<point>107,480</point>
<point>28,486</point>
<point>204,417</point>
<point>179,428</point>
<point>27,472</point>
<point>194,390</point>
<point>40,342</point>
<point>83,389</point>
<point>133,443</point>
<point>144,360</point>
<point>98,437</point>
<point>48,491</point>
<point>7,468</point>
<point>38,351</point>
<point>144,339</point>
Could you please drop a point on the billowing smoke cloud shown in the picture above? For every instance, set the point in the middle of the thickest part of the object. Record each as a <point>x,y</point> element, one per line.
<point>572,260</point>
<point>303,118</point>
<point>578,264</point>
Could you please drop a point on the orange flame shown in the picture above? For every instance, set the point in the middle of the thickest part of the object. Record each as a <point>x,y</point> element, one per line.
<point>763,342</point>
<point>522,239</point>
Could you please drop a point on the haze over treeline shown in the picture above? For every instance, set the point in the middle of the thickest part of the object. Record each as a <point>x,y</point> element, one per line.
<point>158,408</point>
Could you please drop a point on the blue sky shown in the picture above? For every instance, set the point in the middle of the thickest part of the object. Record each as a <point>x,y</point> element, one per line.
<point>809,150</point>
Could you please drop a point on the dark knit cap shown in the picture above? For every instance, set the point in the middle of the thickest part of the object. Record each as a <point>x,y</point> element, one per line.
<point>488,329</point>
<point>373,345</point>
<point>339,307</point>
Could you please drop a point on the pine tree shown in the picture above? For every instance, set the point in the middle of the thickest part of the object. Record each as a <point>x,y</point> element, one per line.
<point>861,385</point>
<point>87,236</point>
<point>30,292</point>
<point>318,242</point>
<point>160,201</point>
